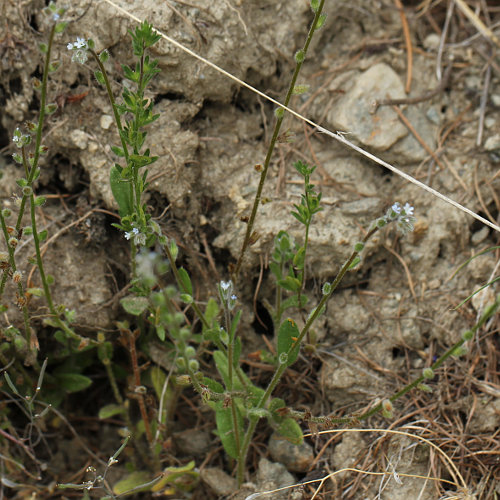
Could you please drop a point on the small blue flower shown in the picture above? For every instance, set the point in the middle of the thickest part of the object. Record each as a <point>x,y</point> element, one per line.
<point>55,16</point>
<point>408,209</point>
<point>397,207</point>
<point>80,42</point>
<point>128,235</point>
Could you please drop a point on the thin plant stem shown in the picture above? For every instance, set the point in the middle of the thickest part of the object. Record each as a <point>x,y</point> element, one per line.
<point>116,115</point>
<point>267,161</point>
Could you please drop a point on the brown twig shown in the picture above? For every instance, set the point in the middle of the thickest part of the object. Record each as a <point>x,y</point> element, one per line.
<point>409,48</point>
<point>138,387</point>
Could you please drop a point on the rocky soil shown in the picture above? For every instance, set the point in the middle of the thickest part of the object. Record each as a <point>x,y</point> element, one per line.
<point>389,319</point>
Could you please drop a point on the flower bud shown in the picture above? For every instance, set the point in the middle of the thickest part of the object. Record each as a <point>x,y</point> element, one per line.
<point>321,21</point>
<point>387,405</point>
<point>327,288</point>
<point>300,55</point>
<point>358,247</point>
<point>387,408</point>
<point>194,365</point>
<point>104,55</point>
<point>190,352</point>
<point>283,358</point>
<point>16,276</point>
<point>424,387</point>
<point>6,213</point>
<point>428,373</point>
<point>27,191</point>
<point>181,363</point>
<point>13,242</point>
<point>183,380</point>
<point>468,335</point>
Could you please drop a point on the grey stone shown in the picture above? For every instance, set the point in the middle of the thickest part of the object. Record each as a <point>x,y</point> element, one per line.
<point>220,482</point>
<point>296,458</point>
<point>353,113</point>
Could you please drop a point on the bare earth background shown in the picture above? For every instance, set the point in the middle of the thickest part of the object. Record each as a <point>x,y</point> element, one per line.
<point>390,318</point>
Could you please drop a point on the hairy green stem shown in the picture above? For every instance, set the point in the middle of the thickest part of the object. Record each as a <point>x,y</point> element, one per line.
<point>282,367</point>
<point>116,115</point>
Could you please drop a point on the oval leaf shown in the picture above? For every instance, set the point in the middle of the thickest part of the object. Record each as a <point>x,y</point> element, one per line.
<point>291,431</point>
<point>224,419</point>
<point>287,340</point>
<point>110,410</point>
<point>73,382</point>
<point>134,305</point>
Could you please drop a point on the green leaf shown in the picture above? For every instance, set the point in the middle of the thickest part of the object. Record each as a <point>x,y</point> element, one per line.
<point>40,200</point>
<point>276,404</point>
<point>50,279</point>
<point>290,283</point>
<point>186,298</point>
<point>134,305</point>
<point>121,191</point>
<point>99,77</point>
<point>104,56</point>
<point>287,340</point>
<point>293,301</point>
<point>298,260</point>
<point>183,478</point>
<point>213,385</point>
<point>60,27</point>
<point>354,263</point>
<point>42,235</point>
<point>275,268</point>
<point>224,420</point>
<point>158,377</point>
<point>72,382</point>
<point>321,21</point>
<point>37,292</point>
<point>13,388</point>
<point>300,89</point>
<point>111,410</point>
<point>237,350</point>
<point>291,431</point>
<point>234,324</point>
<point>132,481</point>
<point>105,351</point>
<point>160,331</point>
<point>211,310</point>
<point>118,151</point>
<point>222,366</point>
<point>185,281</point>
<point>142,160</point>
